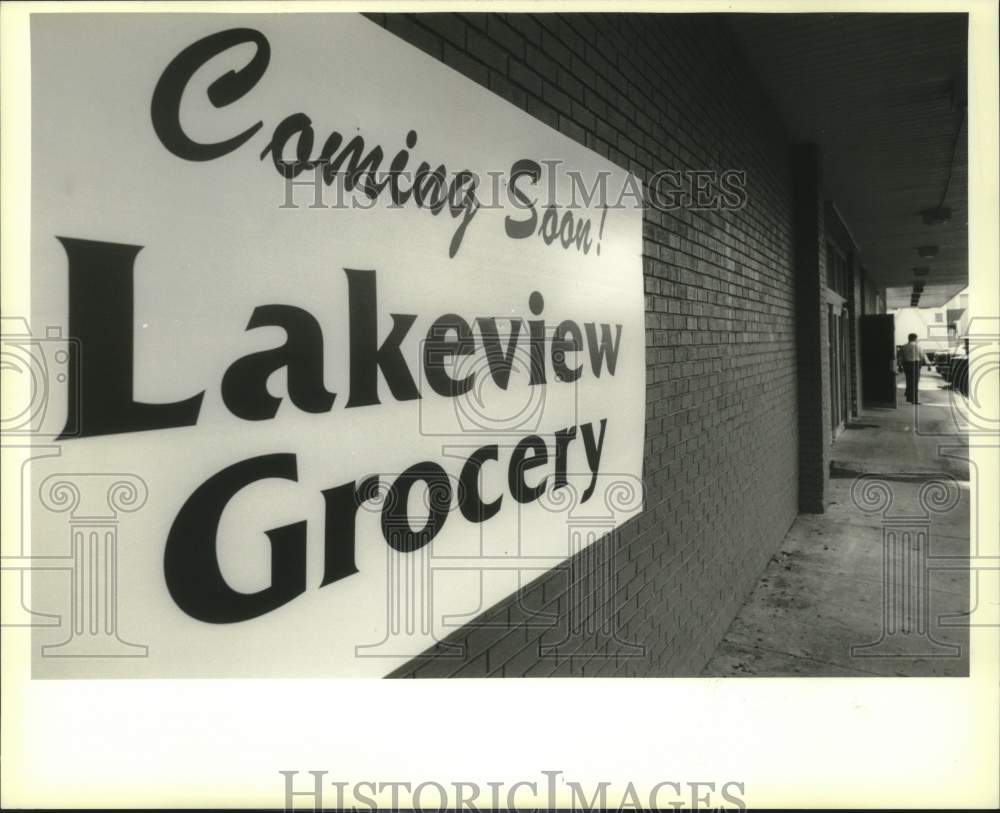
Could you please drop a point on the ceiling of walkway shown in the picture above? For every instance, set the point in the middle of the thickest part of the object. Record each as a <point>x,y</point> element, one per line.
<point>884,96</point>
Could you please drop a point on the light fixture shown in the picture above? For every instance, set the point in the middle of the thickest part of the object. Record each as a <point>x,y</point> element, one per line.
<point>936,216</point>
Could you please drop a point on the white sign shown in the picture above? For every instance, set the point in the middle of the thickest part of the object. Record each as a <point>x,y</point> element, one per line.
<point>329,377</point>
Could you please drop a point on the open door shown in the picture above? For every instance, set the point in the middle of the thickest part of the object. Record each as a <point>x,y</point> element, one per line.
<point>878,361</point>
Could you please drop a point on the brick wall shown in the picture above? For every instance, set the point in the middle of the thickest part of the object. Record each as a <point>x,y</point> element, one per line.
<point>813,330</point>
<point>721,462</point>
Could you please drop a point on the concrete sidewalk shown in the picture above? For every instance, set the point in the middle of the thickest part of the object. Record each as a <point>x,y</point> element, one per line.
<point>877,585</point>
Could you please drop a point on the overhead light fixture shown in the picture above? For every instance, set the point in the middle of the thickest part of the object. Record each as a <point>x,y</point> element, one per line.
<point>921,271</point>
<point>927,251</point>
<point>936,216</point>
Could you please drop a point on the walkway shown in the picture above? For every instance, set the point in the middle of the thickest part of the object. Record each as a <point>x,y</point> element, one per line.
<point>825,596</point>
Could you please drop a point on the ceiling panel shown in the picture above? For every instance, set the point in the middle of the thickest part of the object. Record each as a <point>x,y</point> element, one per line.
<point>883,95</point>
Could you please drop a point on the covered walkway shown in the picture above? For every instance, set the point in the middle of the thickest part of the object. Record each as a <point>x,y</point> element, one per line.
<point>879,584</point>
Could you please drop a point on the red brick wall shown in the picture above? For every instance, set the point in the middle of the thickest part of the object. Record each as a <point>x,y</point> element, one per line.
<point>654,92</point>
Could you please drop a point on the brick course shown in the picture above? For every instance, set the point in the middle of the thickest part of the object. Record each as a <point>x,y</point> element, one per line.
<point>721,453</point>
<point>813,334</point>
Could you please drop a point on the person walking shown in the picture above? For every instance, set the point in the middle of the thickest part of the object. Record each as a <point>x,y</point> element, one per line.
<point>911,359</point>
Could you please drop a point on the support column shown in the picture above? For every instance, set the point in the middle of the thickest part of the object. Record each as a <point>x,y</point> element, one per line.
<point>812,330</point>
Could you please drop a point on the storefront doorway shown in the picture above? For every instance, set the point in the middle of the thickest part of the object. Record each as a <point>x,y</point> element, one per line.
<point>839,325</point>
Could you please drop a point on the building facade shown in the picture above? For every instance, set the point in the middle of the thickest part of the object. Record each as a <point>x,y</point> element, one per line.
<point>752,337</point>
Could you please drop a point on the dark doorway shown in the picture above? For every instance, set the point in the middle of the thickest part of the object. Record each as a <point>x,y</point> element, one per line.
<point>878,361</point>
